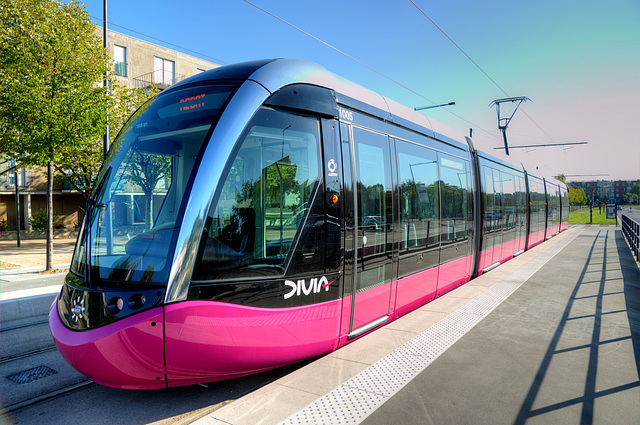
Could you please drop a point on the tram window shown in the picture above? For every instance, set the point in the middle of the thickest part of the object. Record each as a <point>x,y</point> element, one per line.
<point>419,207</point>
<point>490,213</point>
<point>453,189</point>
<point>256,218</point>
<point>508,196</point>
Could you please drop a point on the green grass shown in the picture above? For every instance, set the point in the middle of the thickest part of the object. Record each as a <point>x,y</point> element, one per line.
<point>582,217</point>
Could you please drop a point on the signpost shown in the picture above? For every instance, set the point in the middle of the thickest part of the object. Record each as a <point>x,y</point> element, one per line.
<point>612,212</point>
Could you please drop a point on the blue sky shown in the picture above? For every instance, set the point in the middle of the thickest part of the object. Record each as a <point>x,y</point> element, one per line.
<point>578,61</point>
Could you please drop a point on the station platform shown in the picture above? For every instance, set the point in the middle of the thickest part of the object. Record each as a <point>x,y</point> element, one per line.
<point>550,337</point>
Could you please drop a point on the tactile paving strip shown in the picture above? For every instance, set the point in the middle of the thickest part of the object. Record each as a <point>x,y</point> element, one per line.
<point>360,396</point>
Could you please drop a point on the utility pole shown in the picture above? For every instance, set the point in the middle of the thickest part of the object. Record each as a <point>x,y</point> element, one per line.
<point>17,205</point>
<point>503,121</point>
<point>106,81</point>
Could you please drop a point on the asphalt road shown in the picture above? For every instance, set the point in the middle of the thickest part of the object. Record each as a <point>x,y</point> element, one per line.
<point>633,213</point>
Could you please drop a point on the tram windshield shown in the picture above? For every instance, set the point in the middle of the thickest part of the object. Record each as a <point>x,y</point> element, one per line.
<point>135,209</point>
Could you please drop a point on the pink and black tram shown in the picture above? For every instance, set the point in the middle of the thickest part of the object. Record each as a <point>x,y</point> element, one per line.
<point>268,212</point>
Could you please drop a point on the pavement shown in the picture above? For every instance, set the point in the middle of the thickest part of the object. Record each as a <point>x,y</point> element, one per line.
<point>31,254</point>
<point>21,267</point>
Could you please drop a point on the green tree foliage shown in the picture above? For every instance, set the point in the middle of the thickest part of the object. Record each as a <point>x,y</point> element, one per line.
<point>630,198</point>
<point>562,178</point>
<point>39,220</point>
<point>50,63</point>
<point>577,196</point>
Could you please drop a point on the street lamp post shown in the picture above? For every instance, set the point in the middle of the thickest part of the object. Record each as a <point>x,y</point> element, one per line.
<point>420,108</point>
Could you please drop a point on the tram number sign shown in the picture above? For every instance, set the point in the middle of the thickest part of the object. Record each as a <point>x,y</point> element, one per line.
<point>611,211</point>
<point>345,114</point>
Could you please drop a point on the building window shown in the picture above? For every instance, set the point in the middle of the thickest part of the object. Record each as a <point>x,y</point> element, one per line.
<point>120,60</point>
<point>163,71</point>
<point>11,175</point>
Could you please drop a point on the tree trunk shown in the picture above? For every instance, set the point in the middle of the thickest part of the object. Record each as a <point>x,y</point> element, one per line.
<point>49,266</point>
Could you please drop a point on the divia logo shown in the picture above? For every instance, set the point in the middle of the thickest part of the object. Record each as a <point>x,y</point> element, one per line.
<point>300,286</point>
<point>332,168</point>
<point>78,309</point>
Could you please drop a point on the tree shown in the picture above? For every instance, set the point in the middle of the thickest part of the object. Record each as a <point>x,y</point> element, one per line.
<point>631,197</point>
<point>50,63</point>
<point>562,178</point>
<point>577,196</point>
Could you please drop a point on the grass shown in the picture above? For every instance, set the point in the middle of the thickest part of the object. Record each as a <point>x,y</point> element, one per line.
<point>599,217</point>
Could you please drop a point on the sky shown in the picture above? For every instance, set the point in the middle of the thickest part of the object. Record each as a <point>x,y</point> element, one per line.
<point>577,60</point>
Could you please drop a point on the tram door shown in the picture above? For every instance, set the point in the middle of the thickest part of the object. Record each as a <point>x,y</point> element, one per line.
<point>371,236</point>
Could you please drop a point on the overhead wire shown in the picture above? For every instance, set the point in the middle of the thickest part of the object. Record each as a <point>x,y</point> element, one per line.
<point>476,64</point>
<point>356,60</point>
<point>338,50</point>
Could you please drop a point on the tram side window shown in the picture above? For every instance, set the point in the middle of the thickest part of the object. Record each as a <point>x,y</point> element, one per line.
<point>255,220</point>
<point>419,207</point>
<point>509,207</point>
<point>490,214</point>
<point>453,187</point>
<point>565,205</point>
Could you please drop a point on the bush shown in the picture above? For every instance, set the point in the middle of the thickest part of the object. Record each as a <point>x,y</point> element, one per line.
<point>4,226</point>
<point>39,220</point>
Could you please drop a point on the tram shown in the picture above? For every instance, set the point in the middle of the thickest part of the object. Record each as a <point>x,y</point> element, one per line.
<point>267,212</point>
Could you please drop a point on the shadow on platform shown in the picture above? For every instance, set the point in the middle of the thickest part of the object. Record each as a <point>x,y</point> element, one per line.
<point>606,297</point>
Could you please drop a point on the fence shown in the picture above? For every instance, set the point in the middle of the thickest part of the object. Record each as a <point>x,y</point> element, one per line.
<point>631,230</point>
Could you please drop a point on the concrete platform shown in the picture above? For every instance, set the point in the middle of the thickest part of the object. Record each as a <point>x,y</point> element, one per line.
<point>552,336</point>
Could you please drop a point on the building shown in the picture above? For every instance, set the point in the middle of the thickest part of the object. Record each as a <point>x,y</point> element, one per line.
<point>606,190</point>
<point>140,64</point>
<point>137,64</point>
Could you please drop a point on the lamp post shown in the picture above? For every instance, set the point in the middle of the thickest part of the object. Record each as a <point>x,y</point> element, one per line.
<point>420,108</point>
<point>106,81</point>
<point>17,205</point>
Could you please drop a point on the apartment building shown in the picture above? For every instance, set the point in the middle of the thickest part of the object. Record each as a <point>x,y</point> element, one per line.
<point>137,64</point>
<point>608,190</point>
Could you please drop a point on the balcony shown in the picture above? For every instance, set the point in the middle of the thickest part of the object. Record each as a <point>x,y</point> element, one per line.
<point>158,79</point>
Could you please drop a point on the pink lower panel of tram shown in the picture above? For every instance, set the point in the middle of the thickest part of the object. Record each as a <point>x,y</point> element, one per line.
<point>453,274</point>
<point>125,354</point>
<point>416,290</point>
<point>536,238</point>
<point>209,341</point>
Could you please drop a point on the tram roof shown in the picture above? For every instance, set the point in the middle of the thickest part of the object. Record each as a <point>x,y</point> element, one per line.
<point>274,74</point>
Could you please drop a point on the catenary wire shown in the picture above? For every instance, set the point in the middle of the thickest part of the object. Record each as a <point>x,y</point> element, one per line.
<point>357,60</point>
<point>459,48</point>
<point>477,66</point>
<point>339,51</point>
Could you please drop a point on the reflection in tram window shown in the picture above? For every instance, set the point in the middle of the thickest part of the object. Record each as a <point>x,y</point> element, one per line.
<point>375,211</point>
<point>254,222</point>
<point>454,198</point>
<point>419,207</point>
